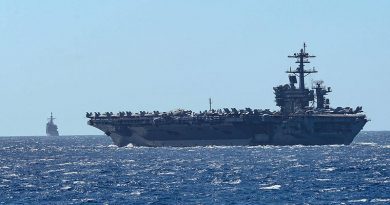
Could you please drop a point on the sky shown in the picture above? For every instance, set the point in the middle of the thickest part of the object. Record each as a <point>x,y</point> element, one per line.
<point>70,57</point>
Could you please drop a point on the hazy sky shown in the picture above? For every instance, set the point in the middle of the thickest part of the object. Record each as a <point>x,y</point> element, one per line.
<point>69,57</point>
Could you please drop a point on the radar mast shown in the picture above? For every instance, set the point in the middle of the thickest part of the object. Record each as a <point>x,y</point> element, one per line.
<point>51,119</point>
<point>302,58</point>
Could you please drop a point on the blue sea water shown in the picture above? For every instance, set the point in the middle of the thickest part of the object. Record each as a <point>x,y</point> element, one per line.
<point>90,170</point>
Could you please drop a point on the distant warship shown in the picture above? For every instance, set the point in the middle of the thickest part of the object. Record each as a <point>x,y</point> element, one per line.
<point>51,128</point>
<point>305,118</point>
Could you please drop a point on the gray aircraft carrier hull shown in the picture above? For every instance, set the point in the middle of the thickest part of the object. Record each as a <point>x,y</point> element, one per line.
<point>297,130</point>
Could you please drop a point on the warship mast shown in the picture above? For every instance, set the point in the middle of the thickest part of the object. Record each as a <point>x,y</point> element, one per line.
<point>302,58</point>
<point>51,118</point>
<point>210,104</point>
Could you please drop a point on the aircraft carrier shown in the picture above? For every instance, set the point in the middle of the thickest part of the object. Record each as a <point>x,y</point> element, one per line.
<point>305,118</point>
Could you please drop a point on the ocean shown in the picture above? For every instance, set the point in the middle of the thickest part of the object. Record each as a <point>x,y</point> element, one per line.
<point>90,170</point>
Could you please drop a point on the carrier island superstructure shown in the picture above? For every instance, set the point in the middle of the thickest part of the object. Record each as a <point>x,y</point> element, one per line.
<point>305,118</point>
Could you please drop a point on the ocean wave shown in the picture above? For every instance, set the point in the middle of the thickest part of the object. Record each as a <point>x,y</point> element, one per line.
<point>71,173</point>
<point>129,146</point>
<point>216,181</point>
<point>358,201</point>
<point>136,193</point>
<point>112,146</point>
<point>266,146</point>
<point>200,171</point>
<point>65,164</point>
<point>323,180</point>
<point>272,187</point>
<point>329,169</point>
<point>333,145</point>
<point>27,185</point>
<point>297,165</point>
<point>367,143</point>
<point>332,189</point>
<point>219,147</point>
<point>380,200</point>
<point>79,182</point>
<point>11,175</point>
<point>234,182</point>
<point>88,200</point>
<point>65,188</point>
<point>166,173</point>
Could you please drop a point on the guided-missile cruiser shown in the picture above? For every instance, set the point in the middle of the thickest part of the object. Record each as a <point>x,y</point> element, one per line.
<point>305,117</point>
<point>51,128</point>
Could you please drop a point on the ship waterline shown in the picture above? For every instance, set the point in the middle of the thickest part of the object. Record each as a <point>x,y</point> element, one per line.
<point>296,123</point>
